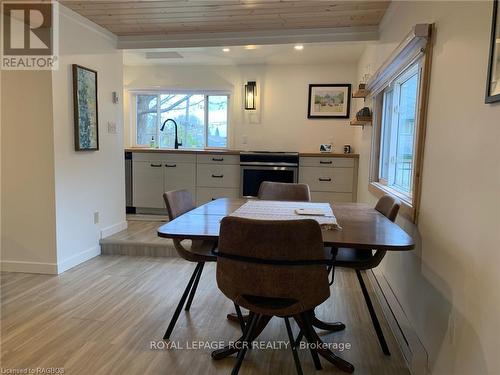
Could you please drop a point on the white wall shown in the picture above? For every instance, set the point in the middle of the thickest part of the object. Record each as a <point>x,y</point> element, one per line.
<point>49,191</point>
<point>283,91</point>
<point>28,239</point>
<point>87,182</point>
<point>452,278</point>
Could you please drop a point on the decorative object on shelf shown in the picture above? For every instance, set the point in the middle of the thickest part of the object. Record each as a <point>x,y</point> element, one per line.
<point>85,109</point>
<point>493,80</point>
<point>329,101</point>
<point>347,149</point>
<point>361,92</point>
<point>250,95</point>
<point>325,147</point>
<point>363,117</point>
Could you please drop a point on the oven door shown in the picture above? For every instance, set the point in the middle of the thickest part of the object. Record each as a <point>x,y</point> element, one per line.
<point>253,176</point>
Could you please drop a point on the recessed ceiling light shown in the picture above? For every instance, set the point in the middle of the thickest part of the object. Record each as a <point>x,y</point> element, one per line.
<point>299,47</point>
<point>251,46</point>
<point>226,50</point>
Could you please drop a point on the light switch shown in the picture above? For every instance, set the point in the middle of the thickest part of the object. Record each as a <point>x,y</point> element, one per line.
<point>111,127</point>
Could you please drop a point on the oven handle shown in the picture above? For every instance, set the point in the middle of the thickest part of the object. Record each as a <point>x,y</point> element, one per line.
<point>268,164</point>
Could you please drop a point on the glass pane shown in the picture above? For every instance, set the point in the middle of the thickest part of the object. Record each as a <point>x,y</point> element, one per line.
<point>385,146</point>
<point>403,172</point>
<point>188,111</point>
<point>217,121</point>
<point>147,115</point>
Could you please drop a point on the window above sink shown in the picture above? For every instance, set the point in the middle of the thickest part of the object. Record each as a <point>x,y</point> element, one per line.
<point>202,119</point>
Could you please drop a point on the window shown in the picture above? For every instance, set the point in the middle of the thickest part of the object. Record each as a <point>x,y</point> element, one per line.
<point>398,90</point>
<point>399,108</point>
<point>202,119</point>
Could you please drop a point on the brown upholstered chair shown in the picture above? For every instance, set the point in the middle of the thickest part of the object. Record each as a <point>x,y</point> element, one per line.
<point>274,268</point>
<point>279,191</point>
<point>359,260</point>
<point>179,202</point>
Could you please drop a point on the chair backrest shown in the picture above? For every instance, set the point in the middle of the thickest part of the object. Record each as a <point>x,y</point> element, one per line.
<point>279,191</point>
<point>178,202</point>
<point>388,206</point>
<point>257,280</point>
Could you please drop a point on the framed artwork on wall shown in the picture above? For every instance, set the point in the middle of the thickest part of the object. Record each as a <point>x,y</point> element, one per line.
<point>85,109</point>
<point>493,80</point>
<point>329,100</point>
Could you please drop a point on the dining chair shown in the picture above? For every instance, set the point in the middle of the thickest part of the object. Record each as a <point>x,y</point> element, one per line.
<point>179,202</point>
<point>360,260</point>
<point>280,191</point>
<point>274,268</point>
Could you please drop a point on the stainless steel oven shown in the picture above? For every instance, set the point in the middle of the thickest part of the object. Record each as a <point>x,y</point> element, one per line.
<point>259,166</point>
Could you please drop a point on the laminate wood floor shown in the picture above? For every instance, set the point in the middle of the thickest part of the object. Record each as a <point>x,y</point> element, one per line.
<point>101,317</point>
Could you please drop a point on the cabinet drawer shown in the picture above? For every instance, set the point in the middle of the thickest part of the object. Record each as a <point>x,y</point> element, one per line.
<point>324,197</point>
<point>180,176</point>
<point>164,157</point>
<point>316,161</point>
<point>338,180</point>
<point>224,176</point>
<point>218,159</point>
<point>205,195</point>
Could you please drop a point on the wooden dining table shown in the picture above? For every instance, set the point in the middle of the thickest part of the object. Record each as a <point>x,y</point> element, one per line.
<point>361,227</point>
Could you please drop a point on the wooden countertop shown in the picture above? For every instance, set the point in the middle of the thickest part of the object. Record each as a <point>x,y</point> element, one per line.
<point>231,152</point>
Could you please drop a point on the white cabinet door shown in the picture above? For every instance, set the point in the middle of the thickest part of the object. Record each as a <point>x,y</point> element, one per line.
<point>180,176</point>
<point>219,176</point>
<point>148,184</point>
<point>205,195</point>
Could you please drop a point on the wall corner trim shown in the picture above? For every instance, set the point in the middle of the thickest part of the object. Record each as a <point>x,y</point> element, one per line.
<point>78,258</point>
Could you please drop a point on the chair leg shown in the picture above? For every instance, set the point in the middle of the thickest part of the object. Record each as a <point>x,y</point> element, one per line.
<point>195,285</point>
<point>241,319</point>
<point>294,348</point>
<point>306,330</point>
<point>373,315</point>
<point>181,303</point>
<point>245,343</point>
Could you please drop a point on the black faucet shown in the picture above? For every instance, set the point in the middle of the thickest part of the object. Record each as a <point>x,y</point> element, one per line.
<point>176,143</point>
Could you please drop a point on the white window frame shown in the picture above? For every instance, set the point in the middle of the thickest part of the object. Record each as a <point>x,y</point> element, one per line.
<point>416,48</point>
<point>206,93</point>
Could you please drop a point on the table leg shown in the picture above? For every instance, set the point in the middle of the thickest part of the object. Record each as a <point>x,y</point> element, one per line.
<point>333,327</point>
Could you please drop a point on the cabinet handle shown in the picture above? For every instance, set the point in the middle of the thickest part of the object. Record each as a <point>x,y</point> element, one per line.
<point>217,176</point>
<point>325,179</point>
<point>170,165</point>
<point>325,162</point>
<point>217,159</point>
<point>155,165</point>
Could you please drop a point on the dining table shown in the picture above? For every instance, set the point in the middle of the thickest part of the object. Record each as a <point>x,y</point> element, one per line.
<point>360,226</point>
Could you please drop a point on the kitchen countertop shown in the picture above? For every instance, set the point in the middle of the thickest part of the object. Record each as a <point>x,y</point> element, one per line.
<point>231,152</point>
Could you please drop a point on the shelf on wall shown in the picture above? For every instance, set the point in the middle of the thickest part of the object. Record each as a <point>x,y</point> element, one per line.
<point>361,121</point>
<point>361,93</point>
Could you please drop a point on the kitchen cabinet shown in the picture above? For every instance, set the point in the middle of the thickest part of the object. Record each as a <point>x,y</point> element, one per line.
<point>148,188</point>
<point>331,179</point>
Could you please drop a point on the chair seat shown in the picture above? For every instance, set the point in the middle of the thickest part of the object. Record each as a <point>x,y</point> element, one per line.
<point>199,251</point>
<point>352,258</point>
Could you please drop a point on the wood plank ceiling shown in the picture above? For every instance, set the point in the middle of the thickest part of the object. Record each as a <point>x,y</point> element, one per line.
<point>160,17</point>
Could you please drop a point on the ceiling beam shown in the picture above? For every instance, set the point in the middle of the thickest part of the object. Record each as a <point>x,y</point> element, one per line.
<point>218,39</point>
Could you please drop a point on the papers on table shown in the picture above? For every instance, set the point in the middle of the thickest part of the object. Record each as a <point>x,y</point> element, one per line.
<point>279,210</point>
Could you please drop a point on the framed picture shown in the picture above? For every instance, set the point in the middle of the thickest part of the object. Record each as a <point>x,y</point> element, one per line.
<point>85,108</point>
<point>325,147</point>
<point>329,101</point>
<point>493,80</point>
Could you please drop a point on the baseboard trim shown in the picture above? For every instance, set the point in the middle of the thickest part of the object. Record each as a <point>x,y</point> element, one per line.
<point>112,229</point>
<point>411,346</point>
<point>28,267</point>
<point>79,258</point>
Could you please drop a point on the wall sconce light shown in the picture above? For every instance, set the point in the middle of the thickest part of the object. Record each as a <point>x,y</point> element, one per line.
<point>250,94</point>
